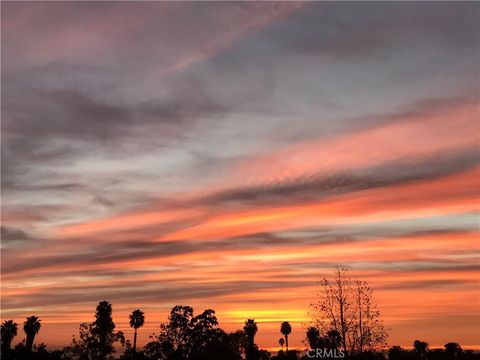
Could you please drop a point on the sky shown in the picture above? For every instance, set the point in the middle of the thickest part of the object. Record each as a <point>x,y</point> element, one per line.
<point>231,155</point>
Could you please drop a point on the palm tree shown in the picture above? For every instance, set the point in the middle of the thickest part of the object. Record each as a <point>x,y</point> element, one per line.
<point>286,329</point>
<point>313,337</point>
<point>250,329</point>
<point>334,339</point>
<point>31,326</point>
<point>137,319</point>
<point>281,341</point>
<point>8,331</point>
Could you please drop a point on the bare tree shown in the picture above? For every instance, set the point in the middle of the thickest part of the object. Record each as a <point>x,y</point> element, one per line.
<point>346,307</point>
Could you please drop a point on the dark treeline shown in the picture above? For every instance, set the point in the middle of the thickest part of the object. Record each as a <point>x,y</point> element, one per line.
<point>198,337</point>
<point>345,325</point>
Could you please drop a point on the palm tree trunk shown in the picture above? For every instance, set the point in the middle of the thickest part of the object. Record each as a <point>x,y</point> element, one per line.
<point>135,341</point>
<point>286,342</point>
<point>5,347</point>
<point>250,348</point>
<point>29,341</point>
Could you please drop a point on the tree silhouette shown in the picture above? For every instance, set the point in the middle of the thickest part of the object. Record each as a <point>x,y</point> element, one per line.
<point>313,337</point>
<point>453,349</point>
<point>188,337</point>
<point>334,339</point>
<point>286,329</point>
<point>103,326</point>
<point>346,307</point>
<point>176,333</point>
<point>250,329</point>
<point>185,336</point>
<point>396,353</point>
<point>9,330</point>
<point>420,347</point>
<point>203,333</point>
<point>84,346</point>
<point>31,326</point>
<point>137,319</point>
<point>102,330</point>
<point>223,346</point>
<point>263,355</point>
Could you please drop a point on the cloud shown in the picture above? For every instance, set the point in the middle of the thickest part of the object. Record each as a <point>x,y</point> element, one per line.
<point>98,30</point>
<point>56,127</point>
<point>167,292</point>
<point>322,186</point>
<point>357,30</point>
<point>77,116</point>
<point>110,249</point>
<point>448,284</point>
<point>14,238</point>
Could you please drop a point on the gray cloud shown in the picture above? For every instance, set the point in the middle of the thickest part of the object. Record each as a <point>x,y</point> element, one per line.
<point>54,127</point>
<point>12,237</point>
<point>353,29</point>
<point>167,292</point>
<point>322,186</point>
<point>69,113</point>
<point>430,284</point>
<point>139,247</point>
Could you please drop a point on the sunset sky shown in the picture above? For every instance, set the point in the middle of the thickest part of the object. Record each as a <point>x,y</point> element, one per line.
<point>230,155</point>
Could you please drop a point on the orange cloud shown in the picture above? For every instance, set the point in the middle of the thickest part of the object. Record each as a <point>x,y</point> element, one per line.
<point>426,198</point>
<point>408,136</point>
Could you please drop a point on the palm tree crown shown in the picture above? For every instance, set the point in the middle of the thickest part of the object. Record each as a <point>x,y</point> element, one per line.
<point>313,337</point>
<point>137,319</point>
<point>31,326</point>
<point>286,328</point>
<point>250,328</point>
<point>9,331</point>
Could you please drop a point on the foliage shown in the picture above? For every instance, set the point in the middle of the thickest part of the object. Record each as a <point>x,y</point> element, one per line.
<point>9,330</point>
<point>31,327</point>
<point>185,336</point>
<point>96,340</point>
<point>420,347</point>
